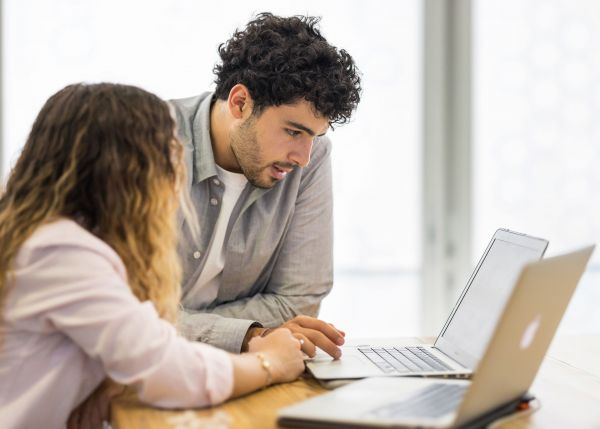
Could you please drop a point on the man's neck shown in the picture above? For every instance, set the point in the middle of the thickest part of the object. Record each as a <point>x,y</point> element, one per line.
<point>220,127</point>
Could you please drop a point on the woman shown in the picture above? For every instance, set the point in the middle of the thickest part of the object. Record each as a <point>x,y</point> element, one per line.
<point>89,277</point>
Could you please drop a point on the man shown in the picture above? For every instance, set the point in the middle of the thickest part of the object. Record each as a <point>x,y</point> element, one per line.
<point>260,179</point>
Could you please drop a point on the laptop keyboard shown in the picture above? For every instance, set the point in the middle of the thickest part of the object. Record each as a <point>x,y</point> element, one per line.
<point>431,401</point>
<point>404,359</point>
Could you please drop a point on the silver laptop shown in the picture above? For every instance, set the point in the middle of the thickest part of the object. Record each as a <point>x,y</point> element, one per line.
<point>466,332</point>
<point>504,374</point>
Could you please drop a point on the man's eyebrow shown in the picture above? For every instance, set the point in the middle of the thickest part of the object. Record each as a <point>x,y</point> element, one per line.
<point>303,128</point>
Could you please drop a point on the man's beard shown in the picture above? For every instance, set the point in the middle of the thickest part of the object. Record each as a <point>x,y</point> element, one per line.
<point>244,146</point>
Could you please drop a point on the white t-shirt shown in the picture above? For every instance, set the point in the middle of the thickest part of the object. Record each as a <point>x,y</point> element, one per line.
<point>210,278</point>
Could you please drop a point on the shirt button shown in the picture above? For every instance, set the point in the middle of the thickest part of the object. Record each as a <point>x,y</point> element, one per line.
<point>214,201</point>
<point>216,182</point>
<point>196,255</point>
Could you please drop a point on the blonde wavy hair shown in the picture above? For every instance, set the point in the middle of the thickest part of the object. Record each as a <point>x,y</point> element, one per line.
<point>105,156</point>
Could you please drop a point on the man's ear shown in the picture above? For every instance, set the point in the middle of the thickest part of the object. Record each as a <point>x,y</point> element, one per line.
<point>239,102</point>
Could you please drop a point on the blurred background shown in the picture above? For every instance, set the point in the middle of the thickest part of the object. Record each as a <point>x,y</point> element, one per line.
<point>475,115</point>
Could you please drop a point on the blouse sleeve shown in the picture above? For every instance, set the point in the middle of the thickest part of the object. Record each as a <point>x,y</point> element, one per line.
<point>81,293</point>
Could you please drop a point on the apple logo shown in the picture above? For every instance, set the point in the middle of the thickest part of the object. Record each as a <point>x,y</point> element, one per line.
<point>530,332</point>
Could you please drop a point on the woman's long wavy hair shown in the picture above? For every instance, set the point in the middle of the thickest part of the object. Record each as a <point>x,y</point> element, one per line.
<point>105,156</point>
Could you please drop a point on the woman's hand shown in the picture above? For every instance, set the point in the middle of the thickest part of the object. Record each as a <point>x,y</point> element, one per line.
<point>281,349</point>
<point>284,353</point>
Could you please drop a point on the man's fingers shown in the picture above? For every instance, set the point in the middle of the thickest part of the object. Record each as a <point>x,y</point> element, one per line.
<point>322,342</point>
<point>318,325</point>
<point>317,333</point>
<point>306,345</point>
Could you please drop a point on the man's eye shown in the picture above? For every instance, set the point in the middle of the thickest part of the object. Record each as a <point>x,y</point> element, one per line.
<point>292,133</point>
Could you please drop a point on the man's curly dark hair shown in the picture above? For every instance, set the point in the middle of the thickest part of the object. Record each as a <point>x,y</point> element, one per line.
<point>284,60</point>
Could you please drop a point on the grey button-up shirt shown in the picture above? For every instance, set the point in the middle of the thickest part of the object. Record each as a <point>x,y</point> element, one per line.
<point>278,243</point>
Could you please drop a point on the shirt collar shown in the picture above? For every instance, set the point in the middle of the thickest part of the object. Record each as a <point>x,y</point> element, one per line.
<point>204,159</point>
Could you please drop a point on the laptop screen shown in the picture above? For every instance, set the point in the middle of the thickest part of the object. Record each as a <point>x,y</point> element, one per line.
<point>470,325</point>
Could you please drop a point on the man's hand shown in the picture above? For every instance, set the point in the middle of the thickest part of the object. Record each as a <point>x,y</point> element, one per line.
<point>311,332</point>
<point>96,408</point>
<point>314,333</point>
<point>253,332</point>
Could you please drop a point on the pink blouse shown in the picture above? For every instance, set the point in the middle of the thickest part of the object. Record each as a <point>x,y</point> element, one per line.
<point>70,320</point>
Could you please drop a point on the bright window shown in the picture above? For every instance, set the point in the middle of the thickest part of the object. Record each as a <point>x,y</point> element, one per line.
<point>537,133</point>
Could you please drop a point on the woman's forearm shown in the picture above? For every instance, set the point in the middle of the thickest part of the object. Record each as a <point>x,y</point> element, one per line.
<point>249,373</point>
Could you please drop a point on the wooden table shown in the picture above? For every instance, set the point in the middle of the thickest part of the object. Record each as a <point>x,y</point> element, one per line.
<point>568,386</point>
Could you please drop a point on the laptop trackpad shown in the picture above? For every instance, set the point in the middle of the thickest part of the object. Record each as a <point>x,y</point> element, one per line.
<point>349,366</point>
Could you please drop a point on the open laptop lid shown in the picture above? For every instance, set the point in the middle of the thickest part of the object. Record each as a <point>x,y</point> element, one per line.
<point>467,332</point>
<point>523,332</point>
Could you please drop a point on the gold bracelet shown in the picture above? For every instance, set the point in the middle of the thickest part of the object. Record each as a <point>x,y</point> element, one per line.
<point>266,365</point>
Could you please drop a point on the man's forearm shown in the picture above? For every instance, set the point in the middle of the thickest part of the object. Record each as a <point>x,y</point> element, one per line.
<point>270,309</point>
<point>223,332</point>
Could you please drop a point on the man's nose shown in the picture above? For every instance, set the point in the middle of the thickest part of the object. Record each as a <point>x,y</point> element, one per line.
<point>300,154</point>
